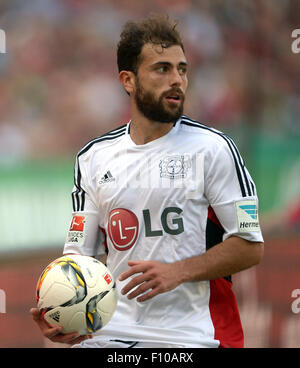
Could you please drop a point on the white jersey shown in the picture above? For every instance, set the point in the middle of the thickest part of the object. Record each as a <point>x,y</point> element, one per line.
<point>167,200</point>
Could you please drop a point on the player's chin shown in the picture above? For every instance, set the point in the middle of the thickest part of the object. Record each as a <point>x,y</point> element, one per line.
<point>174,112</point>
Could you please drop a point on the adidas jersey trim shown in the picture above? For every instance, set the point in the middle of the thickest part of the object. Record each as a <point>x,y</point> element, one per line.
<point>78,196</point>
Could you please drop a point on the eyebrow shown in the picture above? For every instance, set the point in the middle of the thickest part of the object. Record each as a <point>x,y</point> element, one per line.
<point>167,63</point>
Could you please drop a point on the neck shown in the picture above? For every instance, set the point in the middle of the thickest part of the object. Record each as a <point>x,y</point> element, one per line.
<point>143,130</point>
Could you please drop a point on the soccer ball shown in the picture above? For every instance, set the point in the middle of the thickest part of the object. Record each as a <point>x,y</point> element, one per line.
<point>78,293</point>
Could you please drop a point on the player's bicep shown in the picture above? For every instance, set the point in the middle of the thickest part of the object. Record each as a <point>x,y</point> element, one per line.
<point>84,235</point>
<point>231,193</point>
<point>227,177</point>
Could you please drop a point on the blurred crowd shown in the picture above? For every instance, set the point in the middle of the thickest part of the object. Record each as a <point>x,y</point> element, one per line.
<point>59,85</point>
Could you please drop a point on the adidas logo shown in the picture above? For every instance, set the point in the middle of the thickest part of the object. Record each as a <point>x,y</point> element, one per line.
<point>251,210</point>
<point>55,316</point>
<point>107,178</point>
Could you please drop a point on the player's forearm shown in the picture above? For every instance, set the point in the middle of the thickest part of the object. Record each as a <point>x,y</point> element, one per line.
<point>224,259</point>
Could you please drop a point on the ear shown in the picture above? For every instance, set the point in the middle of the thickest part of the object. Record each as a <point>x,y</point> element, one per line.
<point>127,79</point>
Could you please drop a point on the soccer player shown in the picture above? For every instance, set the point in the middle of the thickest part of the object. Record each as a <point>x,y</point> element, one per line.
<point>170,202</point>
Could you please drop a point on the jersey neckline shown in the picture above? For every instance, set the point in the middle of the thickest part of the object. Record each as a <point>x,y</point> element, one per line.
<point>155,142</point>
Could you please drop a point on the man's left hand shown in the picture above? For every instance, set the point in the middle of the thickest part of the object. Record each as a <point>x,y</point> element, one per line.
<point>152,278</point>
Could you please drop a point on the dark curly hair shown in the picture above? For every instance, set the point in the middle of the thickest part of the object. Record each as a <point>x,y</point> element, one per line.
<point>156,29</point>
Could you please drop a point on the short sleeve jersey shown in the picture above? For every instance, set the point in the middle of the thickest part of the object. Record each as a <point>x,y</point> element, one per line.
<point>167,200</point>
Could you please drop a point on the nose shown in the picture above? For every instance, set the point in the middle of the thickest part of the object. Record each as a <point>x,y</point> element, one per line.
<point>175,78</point>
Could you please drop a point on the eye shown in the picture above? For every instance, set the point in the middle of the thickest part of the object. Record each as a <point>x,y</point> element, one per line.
<point>162,69</point>
<point>182,70</point>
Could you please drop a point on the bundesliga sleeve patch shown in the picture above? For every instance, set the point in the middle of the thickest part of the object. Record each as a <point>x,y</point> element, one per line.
<point>76,231</point>
<point>247,216</point>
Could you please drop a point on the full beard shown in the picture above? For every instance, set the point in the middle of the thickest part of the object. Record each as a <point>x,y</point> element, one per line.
<point>154,109</point>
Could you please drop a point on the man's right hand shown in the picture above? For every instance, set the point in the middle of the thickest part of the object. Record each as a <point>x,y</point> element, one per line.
<point>54,333</point>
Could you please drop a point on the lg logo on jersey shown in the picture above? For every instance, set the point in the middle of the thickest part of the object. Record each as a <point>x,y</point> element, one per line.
<point>123,226</point>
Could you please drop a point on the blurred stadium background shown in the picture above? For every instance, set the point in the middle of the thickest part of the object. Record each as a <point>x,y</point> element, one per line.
<point>59,89</point>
